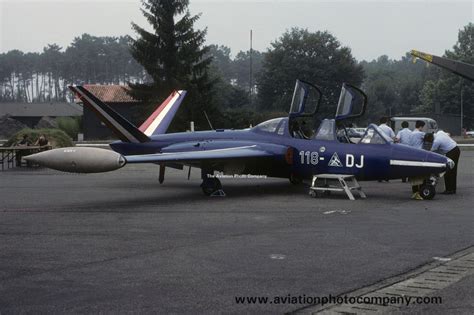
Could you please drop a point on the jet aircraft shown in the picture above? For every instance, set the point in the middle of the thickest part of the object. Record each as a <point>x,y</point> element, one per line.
<point>285,147</point>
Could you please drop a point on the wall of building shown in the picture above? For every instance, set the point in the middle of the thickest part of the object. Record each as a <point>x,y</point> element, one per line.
<point>94,129</point>
<point>31,122</point>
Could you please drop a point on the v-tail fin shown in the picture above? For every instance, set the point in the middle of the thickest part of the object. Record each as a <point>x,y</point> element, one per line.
<point>161,118</point>
<point>124,129</point>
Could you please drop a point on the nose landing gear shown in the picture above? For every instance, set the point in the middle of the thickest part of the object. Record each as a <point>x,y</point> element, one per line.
<point>427,191</point>
<point>427,188</point>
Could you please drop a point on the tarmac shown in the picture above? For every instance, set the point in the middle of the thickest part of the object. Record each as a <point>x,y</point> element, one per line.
<point>120,242</point>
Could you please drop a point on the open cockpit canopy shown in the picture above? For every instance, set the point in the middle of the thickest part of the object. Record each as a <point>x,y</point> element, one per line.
<point>352,103</point>
<point>306,99</point>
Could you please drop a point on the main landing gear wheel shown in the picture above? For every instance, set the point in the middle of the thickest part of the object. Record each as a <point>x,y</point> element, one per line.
<point>427,191</point>
<point>212,187</point>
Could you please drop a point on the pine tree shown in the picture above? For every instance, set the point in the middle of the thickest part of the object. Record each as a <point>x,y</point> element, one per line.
<point>174,57</point>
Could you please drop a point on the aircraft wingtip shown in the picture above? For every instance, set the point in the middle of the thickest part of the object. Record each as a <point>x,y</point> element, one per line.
<point>421,55</point>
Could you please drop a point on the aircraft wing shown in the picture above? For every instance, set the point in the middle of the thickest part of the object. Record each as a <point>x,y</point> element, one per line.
<point>241,152</point>
<point>462,69</point>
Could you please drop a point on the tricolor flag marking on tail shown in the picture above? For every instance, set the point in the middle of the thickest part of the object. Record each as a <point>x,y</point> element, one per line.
<point>161,118</point>
<point>124,129</point>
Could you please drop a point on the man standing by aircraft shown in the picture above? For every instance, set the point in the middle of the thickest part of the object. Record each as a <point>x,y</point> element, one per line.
<point>444,144</point>
<point>416,140</point>
<point>404,135</point>
<point>386,128</point>
<point>417,136</point>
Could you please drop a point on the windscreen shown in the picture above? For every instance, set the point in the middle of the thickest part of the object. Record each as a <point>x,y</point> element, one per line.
<point>269,125</point>
<point>373,135</point>
<point>326,130</point>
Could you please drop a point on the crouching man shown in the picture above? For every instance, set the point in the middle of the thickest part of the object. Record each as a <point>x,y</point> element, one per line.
<point>444,144</point>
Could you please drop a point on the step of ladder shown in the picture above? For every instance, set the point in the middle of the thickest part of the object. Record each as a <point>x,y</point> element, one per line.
<point>342,181</point>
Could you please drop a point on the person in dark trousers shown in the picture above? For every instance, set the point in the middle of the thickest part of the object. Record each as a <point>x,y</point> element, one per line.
<point>444,144</point>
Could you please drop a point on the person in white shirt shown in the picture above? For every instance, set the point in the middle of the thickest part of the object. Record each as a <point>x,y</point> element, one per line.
<point>444,144</point>
<point>417,136</point>
<point>386,128</point>
<point>416,140</point>
<point>404,135</point>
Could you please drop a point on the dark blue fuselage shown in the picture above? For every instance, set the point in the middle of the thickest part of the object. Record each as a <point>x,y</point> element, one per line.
<point>302,158</point>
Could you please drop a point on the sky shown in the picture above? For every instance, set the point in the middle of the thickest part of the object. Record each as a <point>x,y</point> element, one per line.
<point>369,28</point>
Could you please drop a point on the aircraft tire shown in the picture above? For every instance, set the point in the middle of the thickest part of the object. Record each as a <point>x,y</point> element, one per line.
<point>207,191</point>
<point>427,191</point>
<point>209,186</point>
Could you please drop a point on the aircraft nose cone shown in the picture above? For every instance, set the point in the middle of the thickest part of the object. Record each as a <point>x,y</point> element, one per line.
<point>122,161</point>
<point>36,158</point>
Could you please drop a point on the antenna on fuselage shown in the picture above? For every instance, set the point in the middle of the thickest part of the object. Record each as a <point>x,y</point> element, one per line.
<point>208,121</point>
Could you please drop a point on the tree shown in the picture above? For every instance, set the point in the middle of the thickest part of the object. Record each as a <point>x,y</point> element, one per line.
<point>393,86</point>
<point>241,65</point>
<point>174,57</point>
<point>52,61</point>
<point>316,57</point>
<point>41,77</point>
<point>443,91</point>
<point>13,67</point>
<point>100,60</point>
<point>221,61</point>
<point>227,93</point>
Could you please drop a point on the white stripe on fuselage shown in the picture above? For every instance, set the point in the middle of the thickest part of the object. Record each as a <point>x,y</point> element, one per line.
<point>186,152</point>
<point>154,124</point>
<point>416,163</point>
<point>212,150</point>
